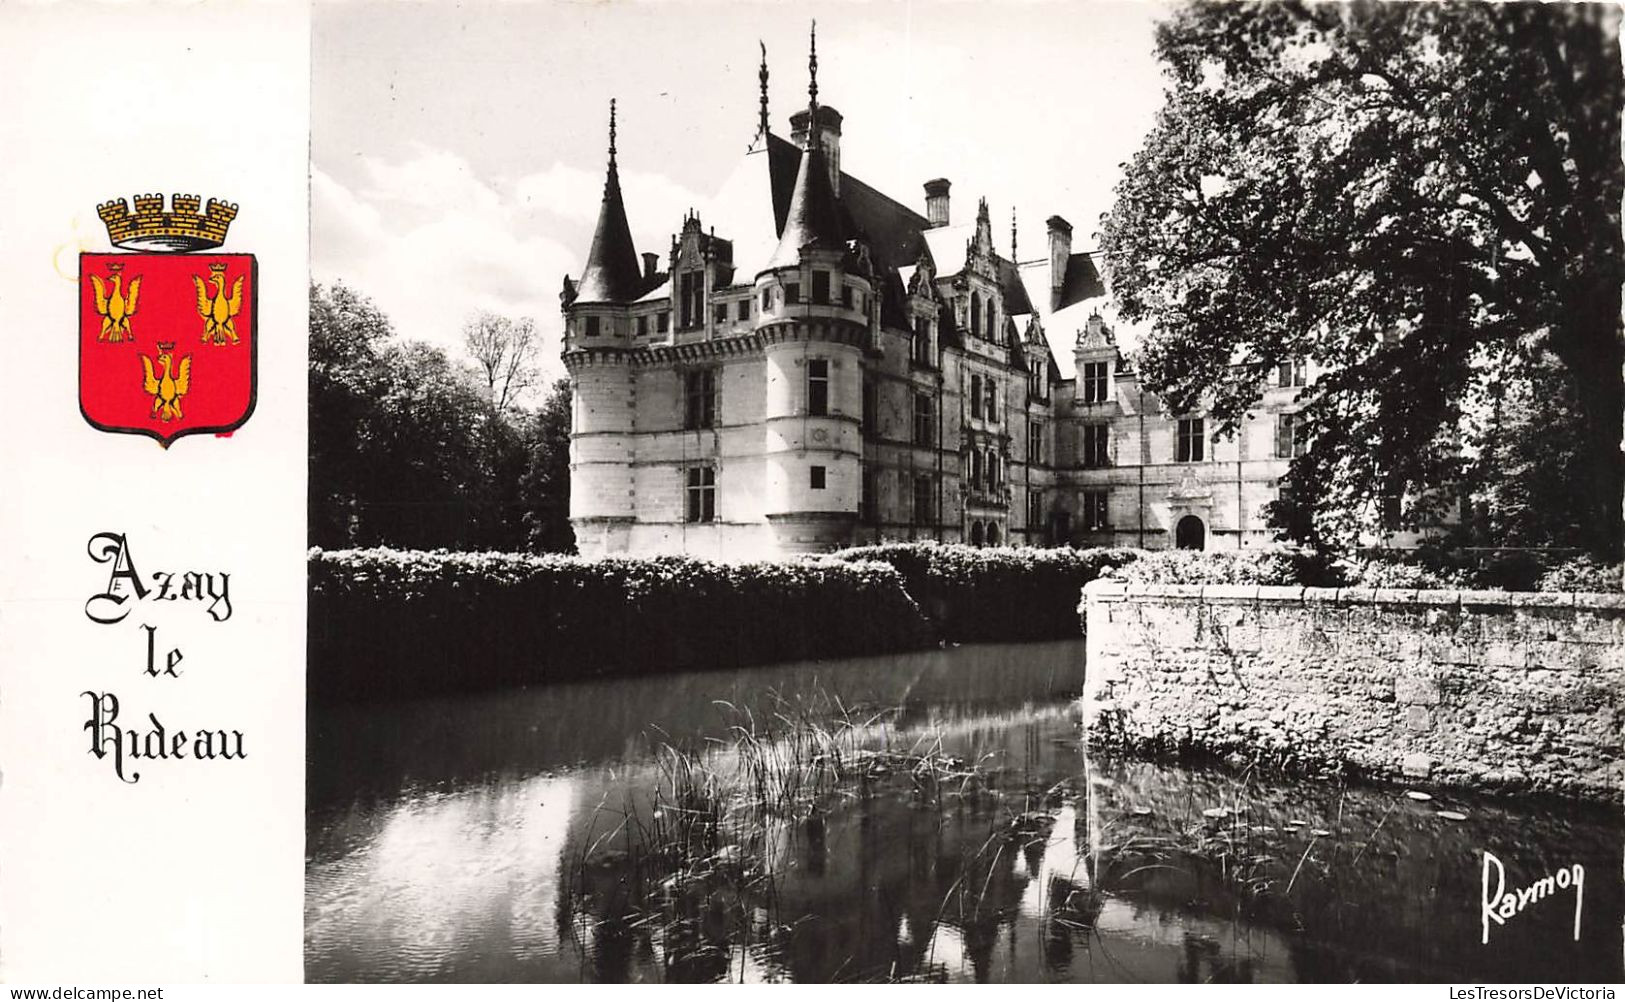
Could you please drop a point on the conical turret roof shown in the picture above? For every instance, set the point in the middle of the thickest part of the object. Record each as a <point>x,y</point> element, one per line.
<point>612,274</point>
<point>814,218</point>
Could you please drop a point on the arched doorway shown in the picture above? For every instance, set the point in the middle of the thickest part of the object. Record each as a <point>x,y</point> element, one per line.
<point>993,534</point>
<point>976,534</point>
<point>1190,534</point>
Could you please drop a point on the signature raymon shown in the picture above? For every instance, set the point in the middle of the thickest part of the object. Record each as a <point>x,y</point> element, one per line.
<point>1502,904</point>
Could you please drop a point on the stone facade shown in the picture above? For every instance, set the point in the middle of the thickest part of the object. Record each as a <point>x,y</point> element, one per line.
<point>833,367</point>
<point>1519,691</point>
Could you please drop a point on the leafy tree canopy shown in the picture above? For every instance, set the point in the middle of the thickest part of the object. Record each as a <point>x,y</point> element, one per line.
<point>408,449</point>
<point>1423,199</point>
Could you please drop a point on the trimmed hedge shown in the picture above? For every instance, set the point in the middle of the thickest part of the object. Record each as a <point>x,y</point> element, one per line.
<point>977,594</point>
<point>396,622</point>
<point>1276,566</point>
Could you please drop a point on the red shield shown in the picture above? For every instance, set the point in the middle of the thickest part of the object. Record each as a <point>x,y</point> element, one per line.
<point>167,342</point>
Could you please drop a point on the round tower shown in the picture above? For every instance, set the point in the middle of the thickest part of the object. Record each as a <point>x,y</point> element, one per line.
<point>815,297</point>
<point>597,340</point>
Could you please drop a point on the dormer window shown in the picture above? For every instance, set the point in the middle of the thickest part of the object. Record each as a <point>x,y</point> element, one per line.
<point>691,295</point>
<point>1095,382</point>
<point>976,313</point>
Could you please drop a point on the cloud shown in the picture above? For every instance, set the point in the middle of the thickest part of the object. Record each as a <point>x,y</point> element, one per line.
<point>431,244</point>
<point>655,204</point>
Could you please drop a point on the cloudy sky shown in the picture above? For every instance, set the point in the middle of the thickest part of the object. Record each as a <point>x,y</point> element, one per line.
<point>458,149</point>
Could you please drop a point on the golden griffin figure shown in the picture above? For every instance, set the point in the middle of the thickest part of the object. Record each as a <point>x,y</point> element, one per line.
<point>167,389</point>
<point>218,310</point>
<point>115,306</point>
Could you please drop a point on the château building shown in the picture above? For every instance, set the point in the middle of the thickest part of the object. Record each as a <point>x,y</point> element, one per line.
<point>815,364</point>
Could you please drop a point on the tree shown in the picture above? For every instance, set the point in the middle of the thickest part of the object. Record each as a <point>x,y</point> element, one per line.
<point>406,450</point>
<point>505,351</point>
<point>544,489</point>
<point>1422,198</point>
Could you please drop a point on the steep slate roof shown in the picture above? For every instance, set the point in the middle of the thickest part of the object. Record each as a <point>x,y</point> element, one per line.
<point>812,218</point>
<point>1082,293</point>
<point>612,273</point>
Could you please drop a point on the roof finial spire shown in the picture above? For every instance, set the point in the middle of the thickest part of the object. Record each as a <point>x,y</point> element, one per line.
<point>762,120</point>
<point>812,75</point>
<point>611,134</point>
<point>1013,257</point>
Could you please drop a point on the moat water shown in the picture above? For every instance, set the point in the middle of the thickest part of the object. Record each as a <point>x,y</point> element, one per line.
<point>495,838</point>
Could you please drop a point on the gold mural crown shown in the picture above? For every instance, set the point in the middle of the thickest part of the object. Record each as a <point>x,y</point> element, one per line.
<point>182,228</point>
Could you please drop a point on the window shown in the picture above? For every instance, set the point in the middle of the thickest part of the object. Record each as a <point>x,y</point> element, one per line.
<point>925,420</point>
<point>690,290</point>
<point>592,326</point>
<point>1096,445</point>
<point>1291,436</point>
<point>1192,441</point>
<point>700,396</point>
<point>1393,510</point>
<point>767,300</point>
<point>1292,372</point>
<point>643,325</point>
<point>1094,511</point>
<point>922,340</point>
<point>976,396</point>
<point>1095,382</point>
<point>820,287</point>
<point>995,466</point>
<point>976,468</point>
<point>976,313</point>
<point>846,296</point>
<point>702,494</point>
<point>742,311</point>
<point>924,500</point>
<point>792,292</point>
<point>1035,443</point>
<point>1035,510</point>
<point>992,407</point>
<point>871,408</point>
<point>817,478</point>
<point>818,386</point>
<point>992,321</point>
<point>720,313</point>
<point>867,508</point>
<point>663,321</point>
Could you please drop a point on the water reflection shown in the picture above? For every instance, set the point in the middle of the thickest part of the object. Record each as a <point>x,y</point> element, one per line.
<point>486,839</point>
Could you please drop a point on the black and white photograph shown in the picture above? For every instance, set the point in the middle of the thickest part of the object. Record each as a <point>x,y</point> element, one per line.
<point>1111,492</point>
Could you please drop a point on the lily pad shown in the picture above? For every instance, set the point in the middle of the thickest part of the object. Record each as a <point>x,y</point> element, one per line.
<point>1320,833</point>
<point>1451,815</point>
<point>1216,812</point>
<point>1418,795</point>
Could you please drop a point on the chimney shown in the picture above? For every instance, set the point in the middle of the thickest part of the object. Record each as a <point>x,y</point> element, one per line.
<point>936,202</point>
<point>829,134</point>
<point>1060,249</point>
<point>651,261</point>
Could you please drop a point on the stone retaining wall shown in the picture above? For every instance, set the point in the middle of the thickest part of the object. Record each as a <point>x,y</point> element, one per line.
<point>1505,690</point>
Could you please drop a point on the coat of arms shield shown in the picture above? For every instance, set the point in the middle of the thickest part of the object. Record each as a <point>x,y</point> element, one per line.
<point>167,338</point>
